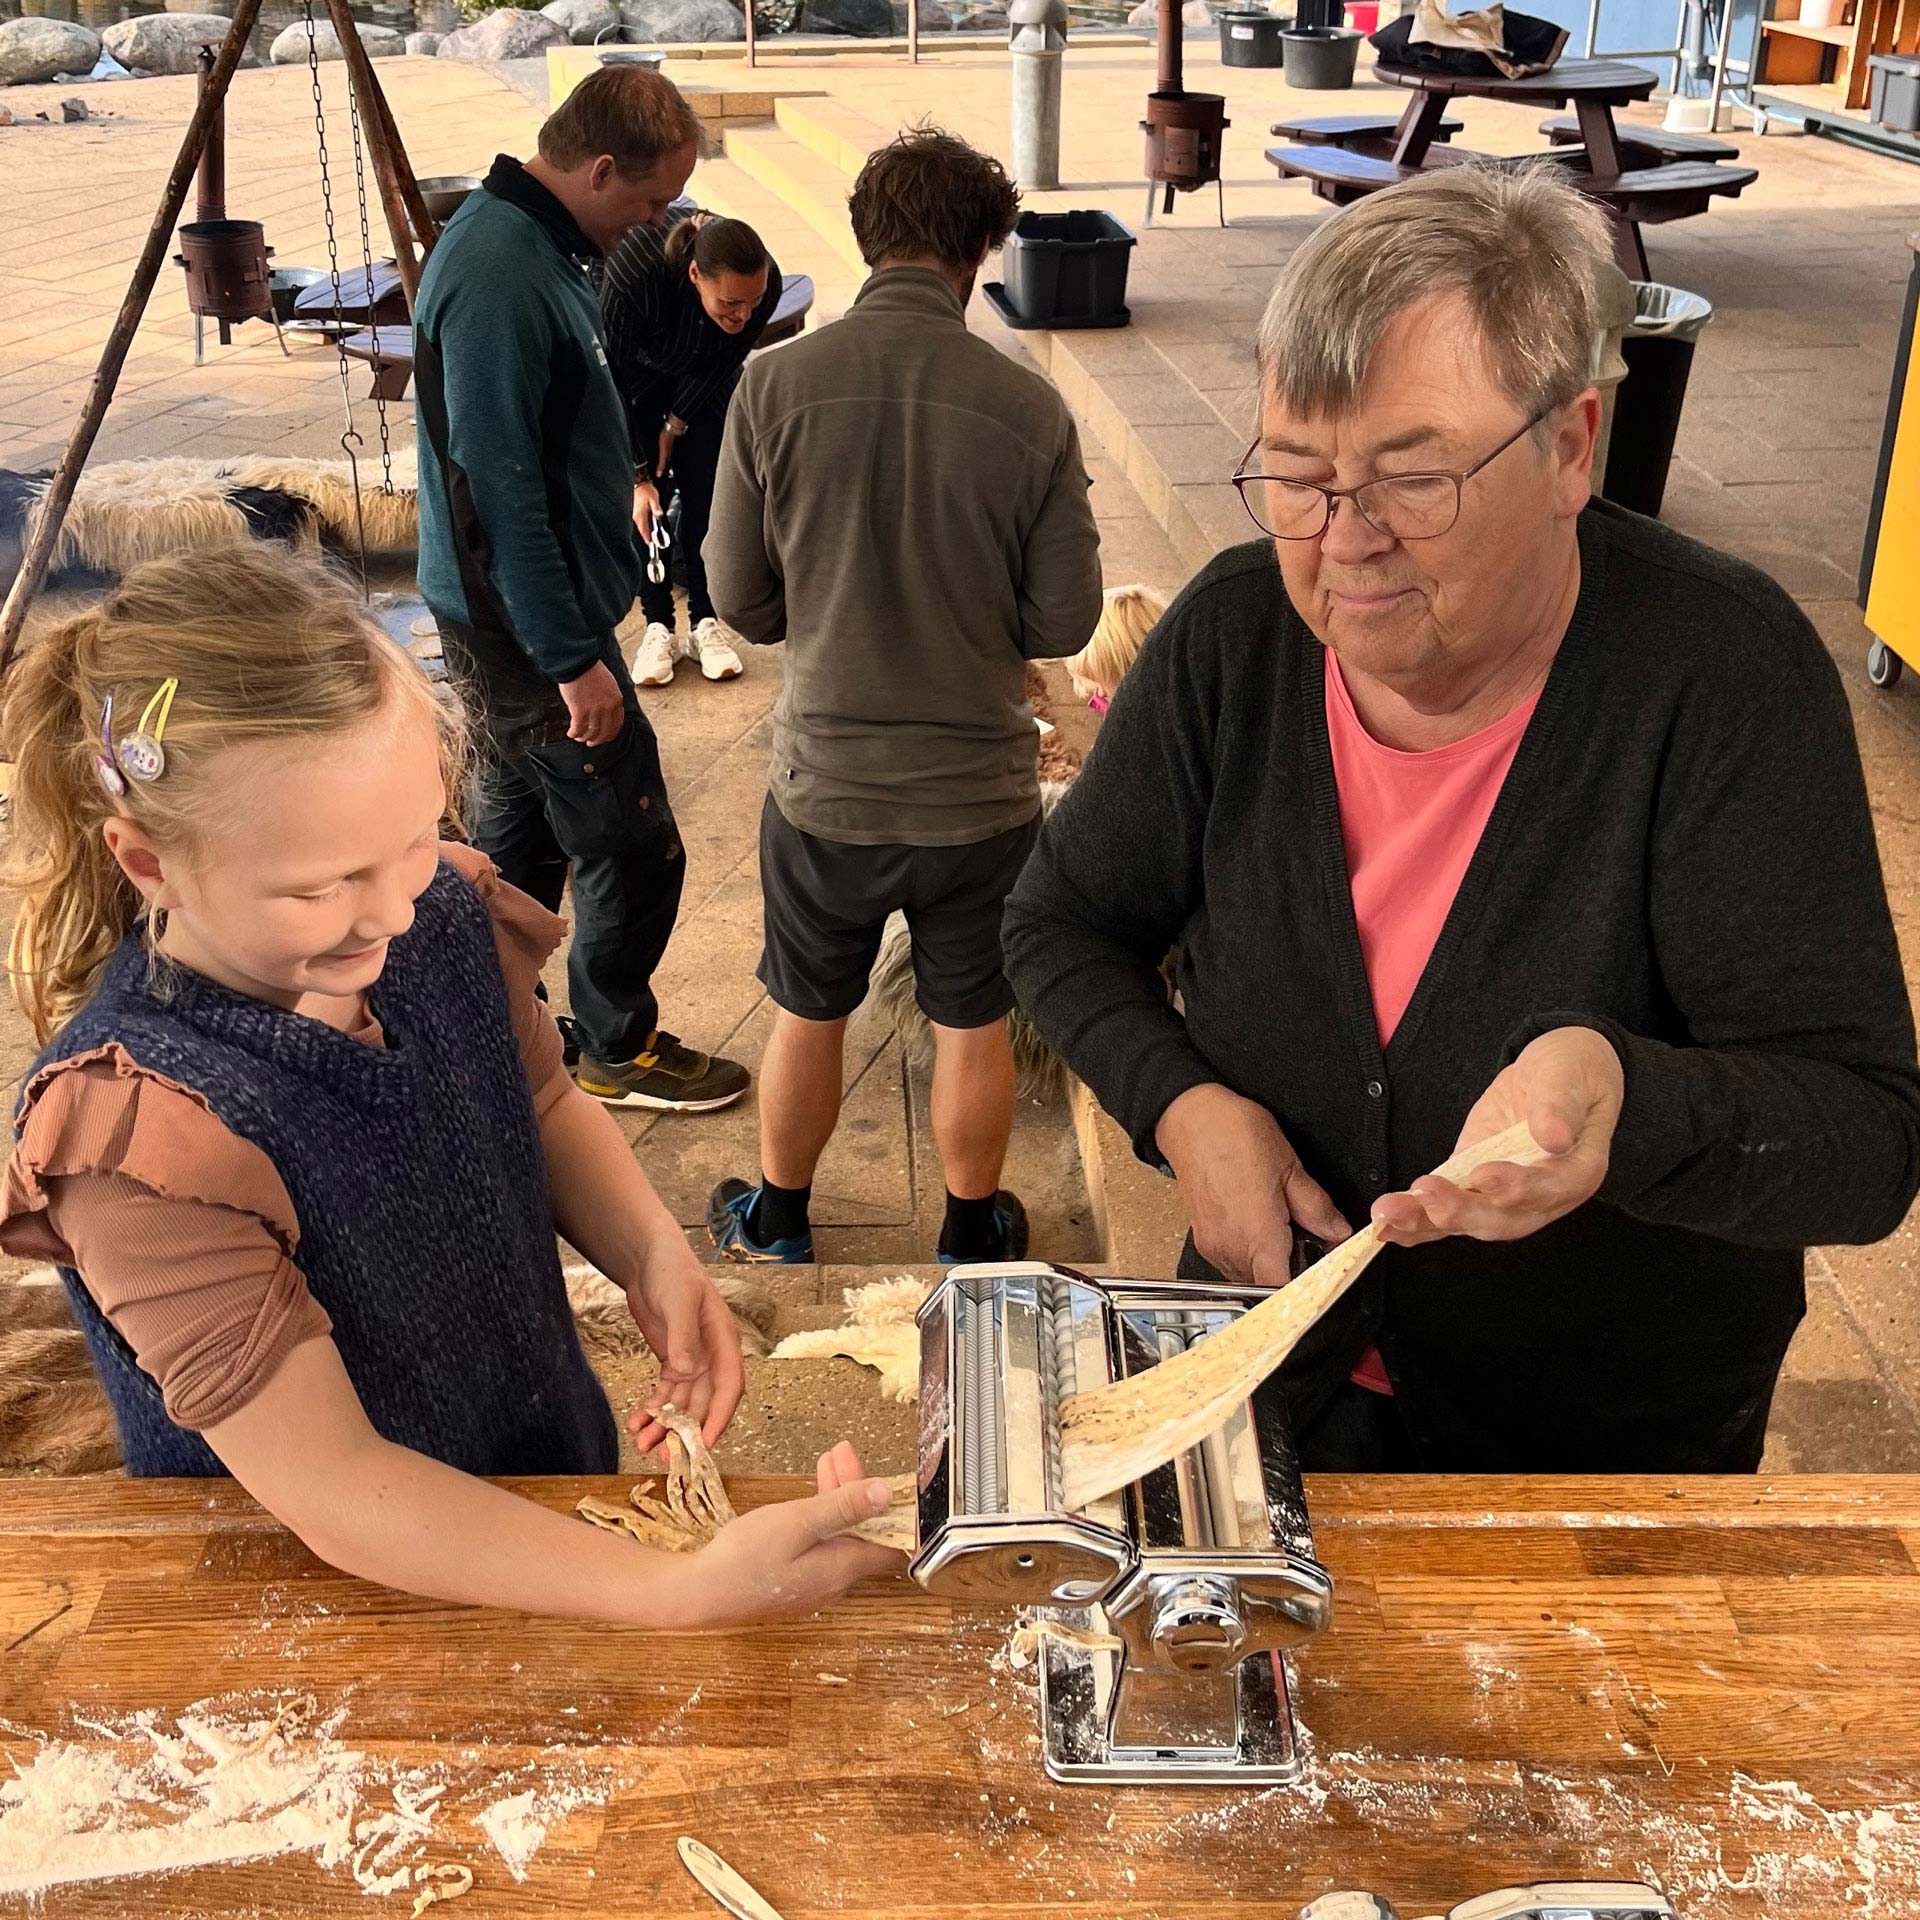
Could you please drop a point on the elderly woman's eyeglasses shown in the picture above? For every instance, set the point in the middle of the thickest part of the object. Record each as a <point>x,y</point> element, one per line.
<point>1405,506</point>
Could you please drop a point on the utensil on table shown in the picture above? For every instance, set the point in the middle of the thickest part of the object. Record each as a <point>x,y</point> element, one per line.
<point>720,1880</point>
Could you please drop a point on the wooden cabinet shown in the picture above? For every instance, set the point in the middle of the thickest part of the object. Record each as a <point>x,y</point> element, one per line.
<point>1797,53</point>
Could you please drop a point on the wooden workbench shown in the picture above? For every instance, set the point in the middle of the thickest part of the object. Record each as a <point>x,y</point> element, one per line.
<point>1715,1685</point>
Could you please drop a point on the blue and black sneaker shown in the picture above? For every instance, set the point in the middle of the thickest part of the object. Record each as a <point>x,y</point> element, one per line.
<point>727,1209</point>
<point>1010,1223</point>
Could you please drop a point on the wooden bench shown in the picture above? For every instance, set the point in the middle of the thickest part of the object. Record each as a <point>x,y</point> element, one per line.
<point>392,358</point>
<point>1563,129</point>
<point>1338,174</point>
<point>1649,196</point>
<point>1363,132</point>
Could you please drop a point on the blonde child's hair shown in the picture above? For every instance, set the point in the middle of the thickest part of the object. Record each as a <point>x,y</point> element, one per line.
<point>264,646</point>
<point>1127,616</point>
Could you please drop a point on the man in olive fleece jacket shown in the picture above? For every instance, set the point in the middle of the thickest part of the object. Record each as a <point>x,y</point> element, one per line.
<point>906,509</point>
<point>1668,952</point>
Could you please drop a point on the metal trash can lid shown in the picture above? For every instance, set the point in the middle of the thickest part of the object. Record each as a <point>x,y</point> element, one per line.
<point>1668,313</point>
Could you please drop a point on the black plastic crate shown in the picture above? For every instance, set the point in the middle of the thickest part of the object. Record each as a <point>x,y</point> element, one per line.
<point>1067,270</point>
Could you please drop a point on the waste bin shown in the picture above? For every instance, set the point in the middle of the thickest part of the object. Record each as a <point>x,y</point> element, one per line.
<point>1066,270</point>
<point>1250,38</point>
<point>1893,99</point>
<point>1320,58</point>
<point>1890,558</point>
<point>1658,350</point>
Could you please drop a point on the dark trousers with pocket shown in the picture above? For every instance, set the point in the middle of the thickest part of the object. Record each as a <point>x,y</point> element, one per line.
<point>545,806</point>
<point>696,462</point>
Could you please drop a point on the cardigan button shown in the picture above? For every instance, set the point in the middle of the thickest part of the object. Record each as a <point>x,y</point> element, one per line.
<point>1374,1090</point>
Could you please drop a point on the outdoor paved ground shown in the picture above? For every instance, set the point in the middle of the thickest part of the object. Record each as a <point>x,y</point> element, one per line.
<point>1775,463</point>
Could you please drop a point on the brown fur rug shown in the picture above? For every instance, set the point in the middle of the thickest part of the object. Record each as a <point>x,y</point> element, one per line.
<point>55,1420</point>
<point>127,511</point>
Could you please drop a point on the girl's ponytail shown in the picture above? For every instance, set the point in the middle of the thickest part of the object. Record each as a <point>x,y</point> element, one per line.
<point>715,244</point>
<point>76,904</point>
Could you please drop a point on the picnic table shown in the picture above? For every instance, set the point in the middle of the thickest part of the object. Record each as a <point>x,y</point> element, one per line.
<point>1642,177</point>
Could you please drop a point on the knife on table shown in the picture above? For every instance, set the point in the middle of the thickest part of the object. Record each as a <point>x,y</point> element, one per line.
<point>723,1883</point>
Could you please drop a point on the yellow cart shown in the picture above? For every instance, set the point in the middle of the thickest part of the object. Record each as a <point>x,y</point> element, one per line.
<point>1890,560</point>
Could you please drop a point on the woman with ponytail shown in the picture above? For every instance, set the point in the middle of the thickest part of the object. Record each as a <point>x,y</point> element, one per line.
<point>683,305</point>
<point>300,1136</point>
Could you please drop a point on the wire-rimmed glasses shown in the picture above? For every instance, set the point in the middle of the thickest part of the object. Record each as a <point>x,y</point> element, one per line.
<point>1403,506</point>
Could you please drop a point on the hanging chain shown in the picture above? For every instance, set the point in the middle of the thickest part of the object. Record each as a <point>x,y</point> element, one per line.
<point>349,440</point>
<point>366,265</point>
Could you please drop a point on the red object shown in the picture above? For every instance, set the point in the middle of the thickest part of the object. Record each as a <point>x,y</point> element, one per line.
<point>1365,18</point>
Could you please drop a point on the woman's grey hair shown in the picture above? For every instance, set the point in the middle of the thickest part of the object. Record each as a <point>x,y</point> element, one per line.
<point>1519,245</point>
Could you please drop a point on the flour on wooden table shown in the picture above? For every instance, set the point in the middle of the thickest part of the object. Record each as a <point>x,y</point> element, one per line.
<point>144,1799</point>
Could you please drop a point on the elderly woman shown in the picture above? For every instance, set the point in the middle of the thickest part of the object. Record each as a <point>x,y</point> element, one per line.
<point>683,305</point>
<point>1468,799</point>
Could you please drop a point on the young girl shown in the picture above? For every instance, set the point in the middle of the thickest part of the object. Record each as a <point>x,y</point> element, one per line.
<point>1127,616</point>
<point>300,1138</point>
<point>683,308</point>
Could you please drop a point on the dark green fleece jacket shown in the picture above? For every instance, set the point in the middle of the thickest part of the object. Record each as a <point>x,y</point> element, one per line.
<point>526,479</point>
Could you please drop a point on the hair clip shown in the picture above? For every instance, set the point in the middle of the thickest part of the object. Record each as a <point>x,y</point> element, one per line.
<point>105,764</point>
<point>141,755</point>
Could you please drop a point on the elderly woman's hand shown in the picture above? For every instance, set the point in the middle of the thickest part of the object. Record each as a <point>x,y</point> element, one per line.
<point>1244,1185</point>
<point>1567,1087</point>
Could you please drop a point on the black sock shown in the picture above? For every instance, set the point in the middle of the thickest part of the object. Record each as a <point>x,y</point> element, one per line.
<point>778,1213</point>
<point>971,1231</point>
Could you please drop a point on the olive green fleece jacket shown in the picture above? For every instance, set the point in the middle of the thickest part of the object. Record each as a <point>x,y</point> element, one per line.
<point>905,507</point>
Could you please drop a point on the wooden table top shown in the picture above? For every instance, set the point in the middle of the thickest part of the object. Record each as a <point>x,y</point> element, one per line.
<point>1714,1685</point>
<point>1612,82</point>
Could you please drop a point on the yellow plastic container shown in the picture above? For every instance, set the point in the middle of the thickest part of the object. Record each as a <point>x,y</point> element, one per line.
<point>1890,564</point>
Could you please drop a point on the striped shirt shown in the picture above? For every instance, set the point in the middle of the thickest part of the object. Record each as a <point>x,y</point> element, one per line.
<point>668,355</point>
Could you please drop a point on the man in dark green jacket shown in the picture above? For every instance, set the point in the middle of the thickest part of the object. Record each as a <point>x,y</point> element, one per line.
<point>529,561</point>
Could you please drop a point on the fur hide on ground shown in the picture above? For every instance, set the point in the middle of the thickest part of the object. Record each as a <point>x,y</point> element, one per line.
<point>53,1416</point>
<point>1038,1071</point>
<point>55,1419</point>
<point>128,511</point>
<point>879,1333</point>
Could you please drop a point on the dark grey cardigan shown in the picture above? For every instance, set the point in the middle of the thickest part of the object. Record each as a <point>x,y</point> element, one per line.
<point>1682,856</point>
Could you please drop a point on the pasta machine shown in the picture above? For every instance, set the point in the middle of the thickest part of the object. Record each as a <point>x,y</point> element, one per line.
<point>1164,1608</point>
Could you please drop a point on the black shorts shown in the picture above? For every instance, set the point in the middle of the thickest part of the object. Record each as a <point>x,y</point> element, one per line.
<point>827,905</point>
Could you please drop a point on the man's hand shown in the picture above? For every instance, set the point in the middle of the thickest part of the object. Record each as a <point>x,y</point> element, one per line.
<point>788,1558</point>
<point>1567,1087</point>
<point>646,505</point>
<point>680,1313</point>
<point>1243,1184</point>
<point>595,710</point>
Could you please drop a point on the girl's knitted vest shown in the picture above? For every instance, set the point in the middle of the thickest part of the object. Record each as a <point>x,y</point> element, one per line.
<point>420,1188</point>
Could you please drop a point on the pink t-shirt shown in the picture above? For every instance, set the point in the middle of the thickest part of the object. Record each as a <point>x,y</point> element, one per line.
<point>1410,823</point>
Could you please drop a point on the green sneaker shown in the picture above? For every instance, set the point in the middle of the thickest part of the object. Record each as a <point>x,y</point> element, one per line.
<point>665,1075</point>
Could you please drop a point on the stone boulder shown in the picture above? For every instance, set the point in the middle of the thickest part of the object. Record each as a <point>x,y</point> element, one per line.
<point>585,21</point>
<point>289,48</point>
<point>38,49</point>
<point>1196,16</point>
<point>224,8</point>
<point>507,33</point>
<point>982,20</point>
<point>680,23</point>
<point>863,19</point>
<point>167,42</point>
<point>425,43</point>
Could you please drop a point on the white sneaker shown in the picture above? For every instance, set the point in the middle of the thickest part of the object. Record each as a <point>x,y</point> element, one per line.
<point>714,651</point>
<point>653,663</point>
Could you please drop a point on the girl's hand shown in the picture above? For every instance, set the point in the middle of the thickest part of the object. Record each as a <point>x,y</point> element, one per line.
<point>787,1559</point>
<point>683,1319</point>
<point>664,458</point>
<point>1567,1086</point>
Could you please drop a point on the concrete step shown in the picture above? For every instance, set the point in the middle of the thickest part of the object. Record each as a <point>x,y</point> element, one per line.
<point>813,187</point>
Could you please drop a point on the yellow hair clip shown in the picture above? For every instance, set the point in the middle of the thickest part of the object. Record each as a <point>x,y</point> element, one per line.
<point>142,754</point>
